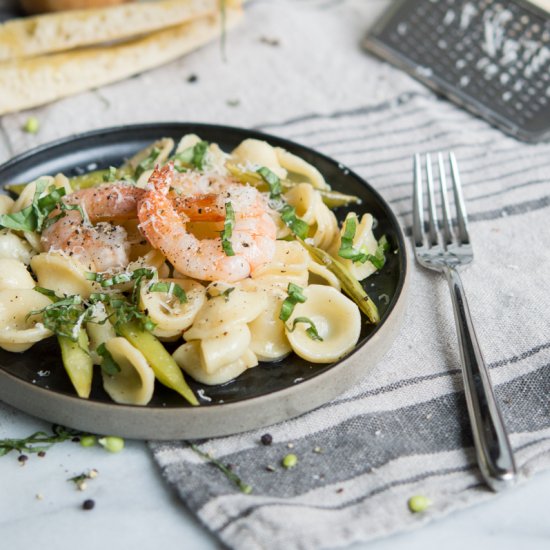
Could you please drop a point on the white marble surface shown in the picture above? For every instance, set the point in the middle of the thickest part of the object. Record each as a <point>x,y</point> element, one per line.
<point>135,509</point>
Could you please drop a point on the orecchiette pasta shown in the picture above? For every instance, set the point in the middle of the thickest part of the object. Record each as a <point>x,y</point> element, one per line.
<point>188,357</point>
<point>258,153</point>
<point>12,246</point>
<point>100,330</point>
<point>269,341</point>
<point>222,312</point>
<point>299,167</point>
<point>61,274</point>
<point>363,241</point>
<point>336,319</point>
<point>290,264</point>
<point>18,330</point>
<point>14,274</point>
<point>6,204</point>
<point>224,348</point>
<point>170,315</point>
<point>311,208</point>
<point>135,383</point>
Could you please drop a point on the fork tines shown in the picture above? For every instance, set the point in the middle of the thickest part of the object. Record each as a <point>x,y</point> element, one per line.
<point>434,226</point>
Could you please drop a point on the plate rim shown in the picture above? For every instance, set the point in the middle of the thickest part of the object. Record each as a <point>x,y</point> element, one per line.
<point>37,400</point>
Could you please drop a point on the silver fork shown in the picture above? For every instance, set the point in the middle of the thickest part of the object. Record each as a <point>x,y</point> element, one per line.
<point>444,250</point>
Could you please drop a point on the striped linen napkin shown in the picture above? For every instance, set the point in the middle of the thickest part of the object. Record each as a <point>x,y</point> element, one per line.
<point>404,429</point>
<point>296,69</point>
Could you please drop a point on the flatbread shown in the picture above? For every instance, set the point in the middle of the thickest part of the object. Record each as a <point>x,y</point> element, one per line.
<point>55,32</point>
<point>34,81</point>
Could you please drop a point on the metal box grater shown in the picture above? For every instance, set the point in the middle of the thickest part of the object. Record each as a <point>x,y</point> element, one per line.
<point>491,57</point>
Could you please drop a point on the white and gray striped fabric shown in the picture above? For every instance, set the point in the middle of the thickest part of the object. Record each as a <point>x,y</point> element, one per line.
<point>403,430</point>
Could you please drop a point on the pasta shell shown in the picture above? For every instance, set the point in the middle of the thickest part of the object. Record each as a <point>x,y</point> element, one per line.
<point>170,315</point>
<point>269,341</point>
<point>17,331</point>
<point>224,348</point>
<point>188,140</point>
<point>99,333</point>
<point>364,241</point>
<point>311,208</point>
<point>258,154</point>
<point>221,313</point>
<point>319,271</point>
<point>6,204</point>
<point>12,246</point>
<point>289,265</point>
<point>14,274</point>
<point>188,357</point>
<point>336,318</point>
<point>135,383</point>
<point>298,166</point>
<point>61,274</point>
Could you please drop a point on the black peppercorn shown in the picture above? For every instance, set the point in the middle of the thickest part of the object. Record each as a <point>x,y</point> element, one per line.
<point>88,504</point>
<point>267,439</point>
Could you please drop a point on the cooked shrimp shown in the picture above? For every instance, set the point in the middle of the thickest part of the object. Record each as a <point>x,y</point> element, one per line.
<point>195,183</point>
<point>103,246</point>
<point>163,222</point>
<point>117,202</point>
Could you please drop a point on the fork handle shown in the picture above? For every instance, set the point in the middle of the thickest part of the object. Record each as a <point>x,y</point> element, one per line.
<point>494,453</point>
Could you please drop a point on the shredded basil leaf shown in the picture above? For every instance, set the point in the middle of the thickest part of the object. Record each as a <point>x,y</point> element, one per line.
<point>108,364</point>
<point>111,175</point>
<point>295,295</point>
<point>272,180</point>
<point>228,225</point>
<point>32,217</point>
<point>148,163</point>
<point>348,251</point>
<point>227,292</point>
<point>169,288</point>
<point>65,316</point>
<point>36,216</point>
<point>192,157</point>
<point>311,331</point>
<point>299,227</point>
<point>125,311</point>
<point>120,278</point>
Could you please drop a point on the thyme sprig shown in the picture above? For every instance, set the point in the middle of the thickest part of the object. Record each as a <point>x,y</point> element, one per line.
<point>232,476</point>
<point>38,441</point>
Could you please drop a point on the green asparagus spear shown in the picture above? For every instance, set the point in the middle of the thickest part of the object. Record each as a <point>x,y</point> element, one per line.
<point>77,362</point>
<point>165,368</point>
<point>350,285</point>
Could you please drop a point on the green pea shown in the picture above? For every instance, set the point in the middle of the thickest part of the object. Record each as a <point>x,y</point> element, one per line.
<point>112,443</point>
<point>87,440</point>
<point>31,125</point>
<point>290,460</point>
<point>419,503</point>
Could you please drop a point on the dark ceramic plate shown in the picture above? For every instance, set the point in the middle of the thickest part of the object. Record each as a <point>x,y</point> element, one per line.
<point>262,395</point>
